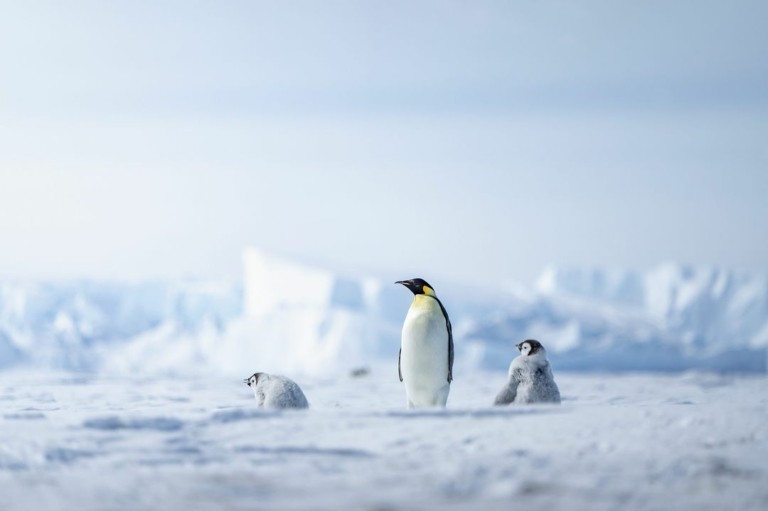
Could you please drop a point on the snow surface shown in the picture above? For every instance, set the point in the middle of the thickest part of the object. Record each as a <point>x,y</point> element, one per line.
<point>129,395</point>
<point>294,318</point>
<point>690,441</point>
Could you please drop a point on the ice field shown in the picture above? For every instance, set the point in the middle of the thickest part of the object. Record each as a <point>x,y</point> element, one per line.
<point>691,441</point>
<point>130,396</point>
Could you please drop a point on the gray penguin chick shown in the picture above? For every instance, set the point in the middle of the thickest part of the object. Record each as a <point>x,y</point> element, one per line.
<point>274,391</point>
<point>530,377</point>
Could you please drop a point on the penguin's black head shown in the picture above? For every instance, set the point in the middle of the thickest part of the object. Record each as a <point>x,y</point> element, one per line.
<point>252,380</point>
<point>418,286</point>
<point>529,347</point>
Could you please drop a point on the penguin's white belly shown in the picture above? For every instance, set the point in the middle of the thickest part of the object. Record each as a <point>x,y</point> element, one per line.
<point>424,356</point>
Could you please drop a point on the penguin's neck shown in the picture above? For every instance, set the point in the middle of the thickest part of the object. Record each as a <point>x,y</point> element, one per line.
<point>424,302</point>
<point>538,358</point>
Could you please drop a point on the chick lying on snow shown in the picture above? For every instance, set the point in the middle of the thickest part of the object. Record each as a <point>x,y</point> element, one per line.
<point>274,391</point>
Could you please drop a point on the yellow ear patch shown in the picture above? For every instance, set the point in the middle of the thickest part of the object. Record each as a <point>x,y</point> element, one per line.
<point>428,291</point>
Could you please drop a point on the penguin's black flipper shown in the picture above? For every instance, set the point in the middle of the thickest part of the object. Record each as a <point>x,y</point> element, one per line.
<point>399,372</point>
<point>450,348</point>
<point>450,339</point>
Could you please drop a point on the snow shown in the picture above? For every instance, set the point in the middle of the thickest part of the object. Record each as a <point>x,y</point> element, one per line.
<point>130,395</point>
<point>689,441</point>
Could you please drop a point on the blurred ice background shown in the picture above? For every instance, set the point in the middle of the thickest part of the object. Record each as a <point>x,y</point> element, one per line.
<point>538,162</point>
<point>302,319</point>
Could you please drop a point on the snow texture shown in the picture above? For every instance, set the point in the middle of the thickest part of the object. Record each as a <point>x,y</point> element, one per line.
<point>691,441</point>
<point>297,319</point>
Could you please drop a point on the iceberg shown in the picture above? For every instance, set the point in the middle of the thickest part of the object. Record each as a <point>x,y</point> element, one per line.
<point>672,317</point>
<point>291,317</point>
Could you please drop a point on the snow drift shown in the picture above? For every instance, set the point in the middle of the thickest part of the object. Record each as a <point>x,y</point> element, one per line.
<point>298,318</point>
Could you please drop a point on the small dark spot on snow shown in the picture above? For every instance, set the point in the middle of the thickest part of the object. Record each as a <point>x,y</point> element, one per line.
<point>112,423</point>
<point>24,416</point>
<point>359,372</point>
<point>66,455</point>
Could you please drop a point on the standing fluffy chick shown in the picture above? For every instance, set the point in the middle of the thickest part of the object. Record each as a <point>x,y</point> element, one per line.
<point>273,391</point>
<point>530,377</point>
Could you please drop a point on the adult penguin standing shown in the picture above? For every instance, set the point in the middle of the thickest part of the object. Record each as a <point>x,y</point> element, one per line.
<point>425,363</point>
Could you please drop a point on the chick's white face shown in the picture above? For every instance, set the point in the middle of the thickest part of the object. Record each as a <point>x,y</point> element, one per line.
<point>525,349</point>
<point>251,382</point>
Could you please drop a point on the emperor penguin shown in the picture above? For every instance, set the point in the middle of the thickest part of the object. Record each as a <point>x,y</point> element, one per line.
<point>425,362</point>
<point>274,391</point>
<point>530,377</point>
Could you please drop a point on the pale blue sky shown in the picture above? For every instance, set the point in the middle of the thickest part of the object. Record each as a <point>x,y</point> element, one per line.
<point>471,141</point>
